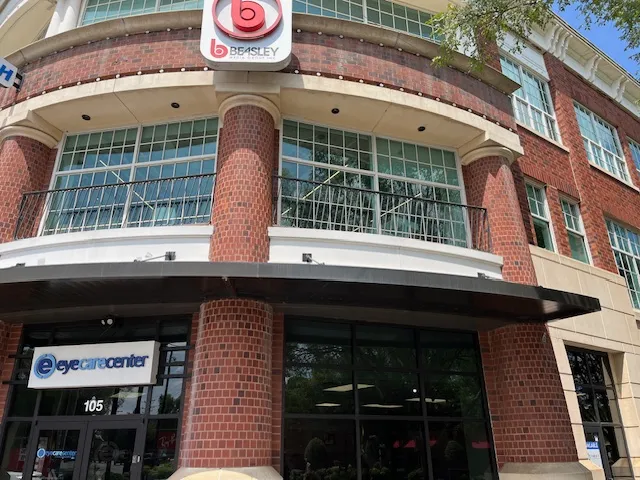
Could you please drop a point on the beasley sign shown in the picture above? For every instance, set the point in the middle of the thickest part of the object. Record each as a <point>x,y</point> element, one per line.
<point>107,364</point>
<point>246,34</point>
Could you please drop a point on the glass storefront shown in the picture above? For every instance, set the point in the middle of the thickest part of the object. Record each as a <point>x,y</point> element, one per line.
<point>102,433</point>
<point>596,393</point>
<point>371,402</point>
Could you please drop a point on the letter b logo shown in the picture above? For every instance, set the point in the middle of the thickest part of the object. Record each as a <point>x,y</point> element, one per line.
<point>218,50</point>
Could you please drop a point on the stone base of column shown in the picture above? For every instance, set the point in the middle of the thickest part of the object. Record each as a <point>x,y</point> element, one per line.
<point>248,473</point>
<point>549,471</point>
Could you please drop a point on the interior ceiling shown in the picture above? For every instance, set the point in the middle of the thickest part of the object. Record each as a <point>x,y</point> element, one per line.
<point>117,108</point>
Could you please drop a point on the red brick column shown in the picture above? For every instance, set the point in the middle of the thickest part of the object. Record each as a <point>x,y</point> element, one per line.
<point>489,183</point>
<point>25,165</point>
<point>9,342</point>
<point>242,199</point>
<point>528,409</point>
<point>526,401</point>
<point>230,406</point>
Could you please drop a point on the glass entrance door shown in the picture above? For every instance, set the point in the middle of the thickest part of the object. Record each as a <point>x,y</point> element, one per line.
<point>88,450</point>
<point>56,451</point>
<point>111,451</point>
<point>597,451</point>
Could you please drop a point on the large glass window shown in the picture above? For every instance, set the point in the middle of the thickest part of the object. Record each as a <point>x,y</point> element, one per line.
<point>134,177</point>
<point>575,230</point>
<point>375,12</point>
<point>598,404</point>
<point>99,10</point>
<point>540,215</point>
<point>532,101</point>
<point>341,180</point>
<point>626,249</point>
<point>601,143</point>
<point>378,402</point>
<point>157,406</point>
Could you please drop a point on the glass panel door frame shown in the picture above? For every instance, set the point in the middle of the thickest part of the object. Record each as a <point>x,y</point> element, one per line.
<point>124,424</point>
<point>597,430</point>
<point>55,425</point>
<point>86,427</point>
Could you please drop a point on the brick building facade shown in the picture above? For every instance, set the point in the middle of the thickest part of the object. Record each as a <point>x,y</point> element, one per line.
<point>357,267</point>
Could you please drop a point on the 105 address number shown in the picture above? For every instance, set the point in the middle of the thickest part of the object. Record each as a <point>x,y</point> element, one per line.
<point>93,405</point>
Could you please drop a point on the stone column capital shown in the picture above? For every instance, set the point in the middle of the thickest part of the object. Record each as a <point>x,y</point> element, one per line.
<point>247,99</point>
<point>489,151</point>
<point>29,132</point>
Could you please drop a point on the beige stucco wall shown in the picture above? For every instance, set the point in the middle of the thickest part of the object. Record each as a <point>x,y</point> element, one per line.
<point>613,330</point>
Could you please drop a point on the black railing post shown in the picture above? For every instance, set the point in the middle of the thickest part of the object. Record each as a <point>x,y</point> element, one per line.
<point>23,201</point>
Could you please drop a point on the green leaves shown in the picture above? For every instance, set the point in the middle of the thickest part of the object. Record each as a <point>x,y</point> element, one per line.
<point>474,27</point>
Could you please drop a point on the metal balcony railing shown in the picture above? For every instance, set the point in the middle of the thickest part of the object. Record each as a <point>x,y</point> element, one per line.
<point>148,203</point>
<point>324,206</point>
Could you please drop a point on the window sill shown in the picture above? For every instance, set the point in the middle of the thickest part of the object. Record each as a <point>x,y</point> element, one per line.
<point>626,184</point>
<point>538,134</point>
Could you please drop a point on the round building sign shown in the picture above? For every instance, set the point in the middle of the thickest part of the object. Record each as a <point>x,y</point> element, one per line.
<point>246,34</point>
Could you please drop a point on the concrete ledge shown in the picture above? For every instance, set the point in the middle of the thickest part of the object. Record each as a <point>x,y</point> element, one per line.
<point>546,471</point>
<point>287,244</point>
<point>247,473</point>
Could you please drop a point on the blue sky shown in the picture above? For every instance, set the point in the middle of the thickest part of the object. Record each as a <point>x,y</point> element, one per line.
<point>606,38</point>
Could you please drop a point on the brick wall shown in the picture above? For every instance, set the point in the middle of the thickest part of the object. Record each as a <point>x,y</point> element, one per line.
<point>489,183</point>
<point>230,410</point>
<point>312,53</point>
<point>9,342</point>
<point>528,409</point>
<point>243,192</point>
<point>277,368</point>
<point>570,174</point>
<point>25,165</point>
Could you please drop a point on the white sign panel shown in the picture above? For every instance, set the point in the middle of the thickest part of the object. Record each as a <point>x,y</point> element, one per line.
<point>7,73</point>
<point>247,34</point>
<point>96,365</point>
<point>593,452</point>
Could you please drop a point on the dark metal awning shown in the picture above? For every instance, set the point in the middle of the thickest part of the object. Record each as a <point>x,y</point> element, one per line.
<point>86,291</point>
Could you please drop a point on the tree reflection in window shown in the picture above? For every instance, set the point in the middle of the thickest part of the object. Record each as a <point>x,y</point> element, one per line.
<point>382,391</point>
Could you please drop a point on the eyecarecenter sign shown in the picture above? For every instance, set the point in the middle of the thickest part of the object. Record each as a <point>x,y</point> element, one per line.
<point>99,365</point>
<point>246,34</point>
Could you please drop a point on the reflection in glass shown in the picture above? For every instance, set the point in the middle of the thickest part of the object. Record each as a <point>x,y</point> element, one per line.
<point>578,363</point>
<point>165,398</point>
<point>15,449</point>
<point>459,451</point>
<point>586,404</point>
<point>56,454</point>
<point>453,396</point>
<point>23,401</point>
<point>115,401</point>
<point>318,343</point>
<point>316,390</point>
<point>160,449</point>
<point>595,368</point>
<point>385,347</point>
<point>391,393</point>
<point>606,407</point>
<point>448,351</point>
<point>111,454</point>
<point>616,454</point>
<point>392,450</point>
<point>319,449</point>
